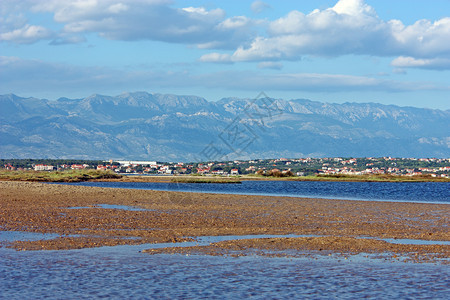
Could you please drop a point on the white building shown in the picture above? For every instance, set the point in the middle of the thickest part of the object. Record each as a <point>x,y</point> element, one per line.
<point>43,168</point>
<point>127,163</point>
<point>234,172</point>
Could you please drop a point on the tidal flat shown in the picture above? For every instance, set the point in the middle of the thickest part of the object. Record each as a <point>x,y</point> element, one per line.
<point>90,217</point>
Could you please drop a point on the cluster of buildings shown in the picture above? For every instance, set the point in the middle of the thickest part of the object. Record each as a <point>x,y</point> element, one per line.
<point>42,167</point>
<point>433,172</point>
<point>388,165</point>
<point>435,167</point>
<point>154,167</point>
<point>47,167</point>
<point>302,166</point>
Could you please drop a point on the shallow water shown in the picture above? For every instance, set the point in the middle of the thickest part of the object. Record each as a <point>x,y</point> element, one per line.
<point>416,242</point>
<point>111,206</point>
<point>11,236</point>
<point>123,272</point>
<point>429,192</point>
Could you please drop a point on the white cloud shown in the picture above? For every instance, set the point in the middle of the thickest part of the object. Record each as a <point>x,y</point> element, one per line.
<point>235,22</point>
<point>350,27</point>
<point>259,6</point>
<point>132,20</point>
<point>201,12</point>
<point>118,8</point>
<point>26,35</point>
<point>14,27</point>
<point>149,20</point>
<point>353,7</point>
<point>411,62</point>
<point>216,57</point>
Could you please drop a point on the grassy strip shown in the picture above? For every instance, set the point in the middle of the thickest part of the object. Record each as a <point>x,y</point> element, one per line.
<point>58,176</point>
<point>86,175</point>
<point>205,180</point>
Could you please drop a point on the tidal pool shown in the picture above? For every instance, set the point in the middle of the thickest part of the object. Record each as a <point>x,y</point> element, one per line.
<point>11,236</point>
<point>416,242</point>
<point>123,272</point>
<point>111,206</point>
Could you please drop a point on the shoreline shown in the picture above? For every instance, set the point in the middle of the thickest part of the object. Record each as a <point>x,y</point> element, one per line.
<point>179,216</point>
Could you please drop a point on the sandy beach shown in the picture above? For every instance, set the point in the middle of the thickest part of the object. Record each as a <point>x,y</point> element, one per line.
<point>337,226</point>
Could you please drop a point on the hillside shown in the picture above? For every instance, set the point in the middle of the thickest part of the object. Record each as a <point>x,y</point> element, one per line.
<point>185,128</point>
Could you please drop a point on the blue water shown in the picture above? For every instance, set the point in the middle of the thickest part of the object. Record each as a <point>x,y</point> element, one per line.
<point>123,272</point>
<point>430,192</point>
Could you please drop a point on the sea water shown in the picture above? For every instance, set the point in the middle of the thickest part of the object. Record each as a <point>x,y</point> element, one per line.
<point>428,192</point>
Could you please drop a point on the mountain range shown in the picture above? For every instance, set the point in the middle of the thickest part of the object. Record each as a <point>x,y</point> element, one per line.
<point>164,127</point>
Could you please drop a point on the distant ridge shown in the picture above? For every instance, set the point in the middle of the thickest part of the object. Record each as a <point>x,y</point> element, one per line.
<point>166,127</point>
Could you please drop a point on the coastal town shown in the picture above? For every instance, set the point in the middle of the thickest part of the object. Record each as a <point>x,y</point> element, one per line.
<point>280,167</point>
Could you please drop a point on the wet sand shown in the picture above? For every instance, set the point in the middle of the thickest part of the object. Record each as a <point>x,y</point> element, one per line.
<point>343,226</point>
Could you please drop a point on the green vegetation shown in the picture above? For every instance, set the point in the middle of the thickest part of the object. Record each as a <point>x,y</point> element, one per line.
<point>29,163</point>
<point>337,168</point>
<point>275,173</point>
<point>58,176</point>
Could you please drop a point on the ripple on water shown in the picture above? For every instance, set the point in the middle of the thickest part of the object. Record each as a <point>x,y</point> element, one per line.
<point>129,274</point>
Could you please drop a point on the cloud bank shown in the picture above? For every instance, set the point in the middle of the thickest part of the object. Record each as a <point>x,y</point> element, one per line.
<point>431,64</point>
<point>130,20</point>
<point>350,27</point>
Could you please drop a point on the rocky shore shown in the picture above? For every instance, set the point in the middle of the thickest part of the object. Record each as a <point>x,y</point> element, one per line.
<point>341,227</point>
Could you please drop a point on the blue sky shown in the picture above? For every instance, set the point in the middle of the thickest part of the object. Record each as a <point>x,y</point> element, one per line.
<point>390,52</point>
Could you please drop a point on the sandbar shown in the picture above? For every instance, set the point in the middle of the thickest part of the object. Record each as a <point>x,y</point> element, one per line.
<point>339,226</point>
